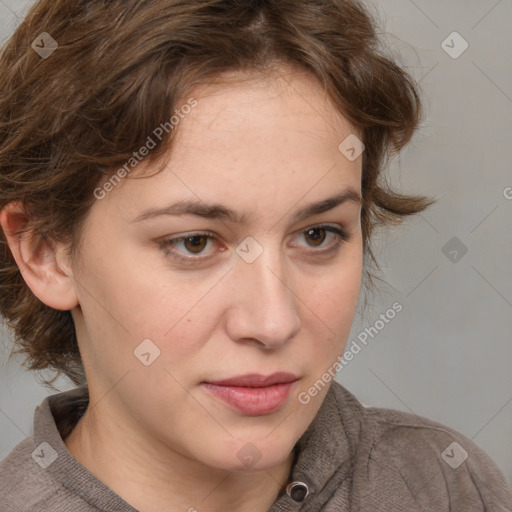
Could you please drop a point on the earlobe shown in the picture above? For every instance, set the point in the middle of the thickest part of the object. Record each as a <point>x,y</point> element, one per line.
<point>42,262</point>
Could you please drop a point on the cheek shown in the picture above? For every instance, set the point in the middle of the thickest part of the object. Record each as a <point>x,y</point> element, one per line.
<point>128,300</point>
<point>132,291</point>
<point>333,295</point>
<point>331,306</point>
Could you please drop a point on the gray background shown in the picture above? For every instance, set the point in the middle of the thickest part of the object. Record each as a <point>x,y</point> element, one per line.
<point>447,355</point>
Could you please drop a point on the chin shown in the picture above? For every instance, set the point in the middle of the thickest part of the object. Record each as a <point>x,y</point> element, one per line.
<point>263,453</point>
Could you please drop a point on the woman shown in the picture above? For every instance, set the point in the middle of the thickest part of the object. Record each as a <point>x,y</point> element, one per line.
<point>188,195</point>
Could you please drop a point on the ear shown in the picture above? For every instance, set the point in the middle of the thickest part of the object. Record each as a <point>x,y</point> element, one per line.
<point>43,263</point>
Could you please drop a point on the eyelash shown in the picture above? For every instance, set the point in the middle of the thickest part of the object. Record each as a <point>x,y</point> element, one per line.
<point>341,236</point>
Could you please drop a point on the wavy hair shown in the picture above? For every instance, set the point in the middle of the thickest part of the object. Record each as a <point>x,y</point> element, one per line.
<point>71,119</point>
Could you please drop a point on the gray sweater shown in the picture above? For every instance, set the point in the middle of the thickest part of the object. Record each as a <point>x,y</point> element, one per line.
<point>351,458</point>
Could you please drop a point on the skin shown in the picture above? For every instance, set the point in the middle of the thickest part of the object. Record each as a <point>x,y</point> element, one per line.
<point>261,146</point>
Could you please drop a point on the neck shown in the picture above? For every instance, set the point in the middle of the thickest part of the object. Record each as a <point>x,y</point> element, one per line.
<point>153,477</point>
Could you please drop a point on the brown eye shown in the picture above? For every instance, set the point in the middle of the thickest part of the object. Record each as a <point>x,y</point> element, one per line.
<point>317,237</point>
<point>313,234</point>
<point>185,248</point>
<point>195,244</point>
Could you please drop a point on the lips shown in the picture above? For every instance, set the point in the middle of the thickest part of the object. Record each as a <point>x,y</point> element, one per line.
<point>253,394</point>
<point>255,380</point>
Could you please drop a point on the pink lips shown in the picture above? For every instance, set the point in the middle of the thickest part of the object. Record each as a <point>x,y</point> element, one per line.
<point>253,394</point>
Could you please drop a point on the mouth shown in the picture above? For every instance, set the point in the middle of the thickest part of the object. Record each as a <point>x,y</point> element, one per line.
<point>253,394</point>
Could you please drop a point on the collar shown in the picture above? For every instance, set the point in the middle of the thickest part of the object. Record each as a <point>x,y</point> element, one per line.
<point>323,455</point>
<point>54,418</point>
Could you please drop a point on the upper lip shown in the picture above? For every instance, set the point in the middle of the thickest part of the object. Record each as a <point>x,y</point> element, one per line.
<point>255,380</point>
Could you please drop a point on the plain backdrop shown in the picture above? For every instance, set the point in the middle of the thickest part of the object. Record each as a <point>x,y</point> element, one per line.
<point>447,355</point>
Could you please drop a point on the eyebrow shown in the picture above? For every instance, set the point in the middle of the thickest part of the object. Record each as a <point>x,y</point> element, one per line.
<point>219,211</point>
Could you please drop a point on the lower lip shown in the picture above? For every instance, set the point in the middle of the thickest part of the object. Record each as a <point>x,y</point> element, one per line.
<point>252,401</point>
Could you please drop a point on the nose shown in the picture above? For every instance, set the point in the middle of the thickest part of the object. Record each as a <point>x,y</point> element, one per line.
<point>264,307</point>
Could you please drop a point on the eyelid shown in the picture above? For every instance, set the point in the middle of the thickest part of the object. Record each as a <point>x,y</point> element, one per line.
<point>341,236</point>
<point>169,241</point>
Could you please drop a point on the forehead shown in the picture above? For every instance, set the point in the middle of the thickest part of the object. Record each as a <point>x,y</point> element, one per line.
<point>252,121</point>
<point>271,101</point>
<point>252,139</point>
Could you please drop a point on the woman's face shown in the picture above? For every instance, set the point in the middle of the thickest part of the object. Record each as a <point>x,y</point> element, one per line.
<point>273,294</point>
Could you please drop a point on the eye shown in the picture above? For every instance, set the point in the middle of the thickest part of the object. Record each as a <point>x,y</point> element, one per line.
<point>318,234</point>
<point>195,243</point>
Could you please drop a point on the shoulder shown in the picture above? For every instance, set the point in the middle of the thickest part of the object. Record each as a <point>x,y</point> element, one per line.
<point>422,463</point>
<point>26,485</point>
<point>23,482</point>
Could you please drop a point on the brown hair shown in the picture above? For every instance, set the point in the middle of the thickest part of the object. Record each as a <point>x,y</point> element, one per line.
<point>71,119</point>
